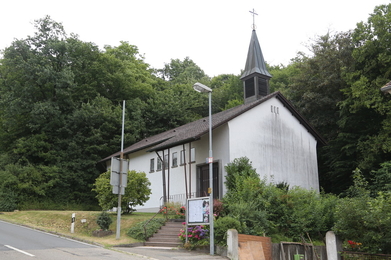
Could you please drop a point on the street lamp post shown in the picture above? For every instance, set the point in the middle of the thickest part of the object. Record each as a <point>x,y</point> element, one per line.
<point>202,88</point>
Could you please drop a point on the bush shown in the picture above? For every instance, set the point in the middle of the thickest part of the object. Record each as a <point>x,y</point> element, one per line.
<point>221,226</point>
<point>275,210</point>
<point>197,236</point>
<point>137,231</point>
<point>365,220</point>
<point>104,220</point>
<point>8,202</point>
<point>136,193</point>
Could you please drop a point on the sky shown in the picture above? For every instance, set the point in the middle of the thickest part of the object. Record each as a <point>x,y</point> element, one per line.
<point>215,34</point>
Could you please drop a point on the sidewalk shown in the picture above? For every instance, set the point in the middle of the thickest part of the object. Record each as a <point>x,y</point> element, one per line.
<point>168,253</point>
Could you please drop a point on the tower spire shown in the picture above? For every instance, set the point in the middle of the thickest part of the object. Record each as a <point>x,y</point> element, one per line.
<point>254,14</point>
<point>255,76</point>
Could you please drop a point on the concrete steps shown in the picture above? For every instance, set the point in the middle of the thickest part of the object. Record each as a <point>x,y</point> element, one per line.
<point>167,235</point>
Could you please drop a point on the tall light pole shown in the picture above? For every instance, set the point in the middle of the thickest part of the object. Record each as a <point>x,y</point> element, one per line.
<point>202,88</point>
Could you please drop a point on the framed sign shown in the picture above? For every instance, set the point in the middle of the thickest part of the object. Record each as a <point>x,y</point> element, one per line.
<point>198,211</point>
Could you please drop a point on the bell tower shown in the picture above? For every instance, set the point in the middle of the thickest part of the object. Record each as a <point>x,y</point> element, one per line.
<point>255,76</point>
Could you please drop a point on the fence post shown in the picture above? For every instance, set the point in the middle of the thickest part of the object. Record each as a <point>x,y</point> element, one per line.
<point>233,244</point>
<point>332,246</point>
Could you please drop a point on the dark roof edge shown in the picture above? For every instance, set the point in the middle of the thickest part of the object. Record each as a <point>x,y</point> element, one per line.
<point>301,119</point>
<point>135,150</point>
<point>184,141</point>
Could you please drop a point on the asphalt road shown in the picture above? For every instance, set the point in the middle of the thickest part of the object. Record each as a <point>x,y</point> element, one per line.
<point>22,243</point>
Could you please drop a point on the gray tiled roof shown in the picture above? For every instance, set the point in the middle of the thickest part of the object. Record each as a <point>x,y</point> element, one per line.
<point>194,130</point>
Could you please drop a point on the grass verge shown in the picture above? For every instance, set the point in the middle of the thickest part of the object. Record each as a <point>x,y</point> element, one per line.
<point>59,222</point>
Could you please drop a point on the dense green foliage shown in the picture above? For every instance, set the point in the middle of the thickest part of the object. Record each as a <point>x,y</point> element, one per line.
<point>222,225</point>
<point>337,89</point>
<point>61,109</point>
<point>273,209</point>
<point>298,215</point>
<point>365,219</point>
<point>104,220</point>
<point>136,193</point>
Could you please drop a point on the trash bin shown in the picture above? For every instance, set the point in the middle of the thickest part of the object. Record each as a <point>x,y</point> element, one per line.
<point>298,257</point>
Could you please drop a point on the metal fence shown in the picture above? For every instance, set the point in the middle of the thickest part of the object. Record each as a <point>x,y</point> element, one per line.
<point>178,198</point>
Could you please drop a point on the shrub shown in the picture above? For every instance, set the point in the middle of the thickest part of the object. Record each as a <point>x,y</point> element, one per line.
<point>136,193</point>
<point>104,220</point>
<point>8,202</point>
<point>265,208</point>
<point>137,231</point>
<point>218,207</point>
<point>221,226</point>
<point>197,236</point>
<point>365,220</point>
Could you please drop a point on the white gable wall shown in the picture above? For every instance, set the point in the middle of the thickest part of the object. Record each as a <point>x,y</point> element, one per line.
<point>279,147</point>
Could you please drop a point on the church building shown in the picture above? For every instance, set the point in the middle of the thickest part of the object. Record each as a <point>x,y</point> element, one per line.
<point>267,129</point>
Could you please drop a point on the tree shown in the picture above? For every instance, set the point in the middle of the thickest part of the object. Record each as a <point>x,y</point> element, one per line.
<point>171,106</point>
<point>364,104</point>
<point>227,92</point>
<point>60,105</point>
<point>136,193</point>
<point>186,71</point>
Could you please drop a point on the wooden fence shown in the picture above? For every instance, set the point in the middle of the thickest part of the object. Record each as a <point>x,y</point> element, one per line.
<point>288,251</point>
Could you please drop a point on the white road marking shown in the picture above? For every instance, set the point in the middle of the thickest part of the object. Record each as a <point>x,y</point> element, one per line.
<point>20,251</point>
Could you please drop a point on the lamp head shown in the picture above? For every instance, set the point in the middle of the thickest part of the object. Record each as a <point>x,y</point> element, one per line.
<point>387,88</point>
<point>201,88</point>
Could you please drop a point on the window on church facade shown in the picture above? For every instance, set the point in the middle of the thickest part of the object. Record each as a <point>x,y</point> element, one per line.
<point>152,165</point>
<point>192,159</point>
<point>174,159</point>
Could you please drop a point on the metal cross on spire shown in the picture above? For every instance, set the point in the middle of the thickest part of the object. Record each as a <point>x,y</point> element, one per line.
<point>254,14</point>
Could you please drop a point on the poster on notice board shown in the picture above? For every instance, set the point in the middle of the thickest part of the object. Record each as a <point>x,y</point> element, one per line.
<point>198,211</point>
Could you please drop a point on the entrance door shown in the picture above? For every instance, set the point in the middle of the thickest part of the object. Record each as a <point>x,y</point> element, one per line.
<point>203,181</point>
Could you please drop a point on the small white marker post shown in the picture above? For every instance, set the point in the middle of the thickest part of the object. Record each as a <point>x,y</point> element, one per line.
<point>73,223</point>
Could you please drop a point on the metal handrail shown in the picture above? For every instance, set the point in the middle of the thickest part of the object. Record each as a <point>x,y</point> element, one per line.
<point>145,225</point>
<point>170,198</point>
<point>178,198</point>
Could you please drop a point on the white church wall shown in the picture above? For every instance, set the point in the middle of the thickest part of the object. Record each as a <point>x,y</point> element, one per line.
<point>279,147</point>
<point>221,153</point>
<point>140,161</point>
<point>174,175</point>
